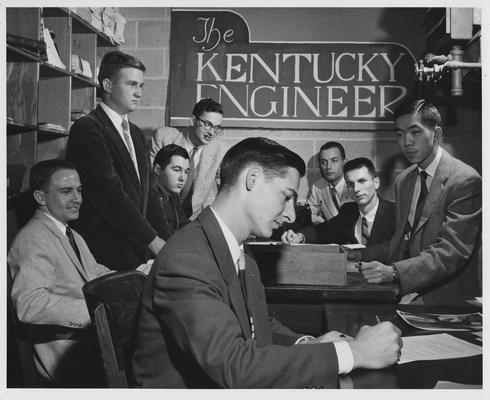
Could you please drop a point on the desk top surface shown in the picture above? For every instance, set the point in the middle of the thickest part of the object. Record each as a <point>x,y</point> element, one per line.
<point>356,289</point>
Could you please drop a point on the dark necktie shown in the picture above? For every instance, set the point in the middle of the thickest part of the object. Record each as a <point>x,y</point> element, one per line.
<point>333,192</point>
<point>71,239</point>
<point>365,231</point>
<point>243,284</point>
<point>421,200</point>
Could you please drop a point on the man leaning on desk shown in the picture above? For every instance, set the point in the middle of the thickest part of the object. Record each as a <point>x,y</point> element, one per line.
<point>204,321</point>
<point>435,253</point>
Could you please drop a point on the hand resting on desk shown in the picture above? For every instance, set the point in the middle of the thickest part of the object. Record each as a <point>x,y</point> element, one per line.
<point>376,272</point>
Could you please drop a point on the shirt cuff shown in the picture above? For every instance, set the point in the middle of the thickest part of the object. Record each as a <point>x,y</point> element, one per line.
<point>344,356</point>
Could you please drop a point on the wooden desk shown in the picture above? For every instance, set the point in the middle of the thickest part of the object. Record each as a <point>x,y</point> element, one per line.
<point>422,374</point>
<point>317,309</point>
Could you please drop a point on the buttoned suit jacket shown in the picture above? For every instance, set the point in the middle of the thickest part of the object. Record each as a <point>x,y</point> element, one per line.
<point>194,331</point>
<point>320,200</point>
<point>114,211</point>
<point>341,228</point>
<point>47,283</point>
<point>205,186</point>
<point>443,259</point>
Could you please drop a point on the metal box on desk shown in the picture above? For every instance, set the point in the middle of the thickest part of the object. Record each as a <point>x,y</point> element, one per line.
<point>304,264</point>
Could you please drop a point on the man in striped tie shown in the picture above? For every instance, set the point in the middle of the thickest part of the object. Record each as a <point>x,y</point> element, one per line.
<point>368,221</point>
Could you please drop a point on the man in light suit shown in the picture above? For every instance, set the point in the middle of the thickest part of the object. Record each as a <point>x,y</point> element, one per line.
<point>48,274</point>
<point>435,251</point>
<point>206,150</point>
<point>204,320</point>
<point>329,193</point>
<point>368,221</point>
<point>111,157</point>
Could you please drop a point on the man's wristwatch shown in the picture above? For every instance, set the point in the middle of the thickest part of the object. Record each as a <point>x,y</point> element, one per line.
<point>395,276</point>
<point>304,339</point>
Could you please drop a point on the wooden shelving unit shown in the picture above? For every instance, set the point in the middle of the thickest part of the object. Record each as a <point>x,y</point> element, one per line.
<point>38,92</point>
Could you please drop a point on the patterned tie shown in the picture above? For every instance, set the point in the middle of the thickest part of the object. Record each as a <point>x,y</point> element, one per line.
<point>190,177</point>
<point>71,239</point>
<point>243,284</point>
<point>365,231</point>
<point>334,194</point>
<point>421,200</point>
<point>129,144</point>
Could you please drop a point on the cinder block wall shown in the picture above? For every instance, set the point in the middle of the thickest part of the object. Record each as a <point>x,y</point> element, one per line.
<point>147,36</point>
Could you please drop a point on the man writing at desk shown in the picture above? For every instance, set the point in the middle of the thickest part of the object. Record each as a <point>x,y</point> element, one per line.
<point>204,321</point>
<point>435,251</point>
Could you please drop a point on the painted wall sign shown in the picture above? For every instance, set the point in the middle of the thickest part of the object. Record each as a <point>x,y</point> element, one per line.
<point>286,85</point>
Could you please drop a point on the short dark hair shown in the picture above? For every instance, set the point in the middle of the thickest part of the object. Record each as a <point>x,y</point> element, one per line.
<point>330,145</point>
<point>270,155</point>
<point>428,113</point>
<point>114,61</point>
<point>41,173</point>
<point>207,105</point>
<point>166,153</point>
<point>358,163</point>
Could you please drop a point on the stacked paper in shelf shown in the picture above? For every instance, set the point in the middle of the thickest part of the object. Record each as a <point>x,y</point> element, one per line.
<point>52,53</point>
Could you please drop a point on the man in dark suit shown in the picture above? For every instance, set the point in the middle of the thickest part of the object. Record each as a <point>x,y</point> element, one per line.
<point>204,320</point>
<point>368,221</point>
<point>435,253</point>
<point>112,159</point>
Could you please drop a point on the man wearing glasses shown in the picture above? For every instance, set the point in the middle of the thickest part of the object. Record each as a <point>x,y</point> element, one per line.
<point>205,150</point>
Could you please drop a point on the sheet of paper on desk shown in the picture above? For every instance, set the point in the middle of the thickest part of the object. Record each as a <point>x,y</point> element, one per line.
<point>455,385</point>
<point>436,347</point>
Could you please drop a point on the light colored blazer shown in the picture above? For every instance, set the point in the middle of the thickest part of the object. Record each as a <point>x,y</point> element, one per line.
<point>205,187</point>
<point>444,255</point>
<point>321,204</point>
<point>47,283</point>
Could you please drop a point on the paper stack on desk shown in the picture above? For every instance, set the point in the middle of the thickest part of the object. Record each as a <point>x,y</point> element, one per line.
<point>436,347</point>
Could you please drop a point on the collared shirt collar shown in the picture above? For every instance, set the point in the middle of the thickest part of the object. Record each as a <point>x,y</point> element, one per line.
<point>60,225</point>
<point>233,246</point>
<point>339,187</point>
<point>114,116</point>
<point>431,168</point>
<point>371,214</point>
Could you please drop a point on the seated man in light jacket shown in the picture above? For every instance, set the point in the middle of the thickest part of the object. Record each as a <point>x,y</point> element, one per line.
<point>206,150</point>
<point>50,263</point>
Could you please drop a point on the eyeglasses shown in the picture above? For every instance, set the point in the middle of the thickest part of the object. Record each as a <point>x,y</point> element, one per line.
<point>208,126</point>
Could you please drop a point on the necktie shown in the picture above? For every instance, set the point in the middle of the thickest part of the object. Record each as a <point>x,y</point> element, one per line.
<point>365,230</point>
<point>71,239</point>
<point>333,192</point>
<point>129,144</point>
<point>421,200</point>
<point>186,190</point>
<point>243,284</point>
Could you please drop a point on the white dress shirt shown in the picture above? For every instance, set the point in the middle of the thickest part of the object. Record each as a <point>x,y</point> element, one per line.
<point>344,352</point>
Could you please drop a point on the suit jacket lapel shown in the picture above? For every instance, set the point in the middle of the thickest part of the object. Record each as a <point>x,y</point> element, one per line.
<point>406,201</point>
<point>436,188</point>
<point>378,226</point>
<point>113,134</point>
<point>64,243</point>
<point>225,263</point>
